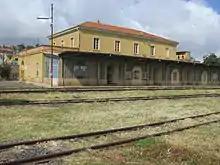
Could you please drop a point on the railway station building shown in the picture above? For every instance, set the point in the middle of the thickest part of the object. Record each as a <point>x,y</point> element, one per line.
<point>97,54</point>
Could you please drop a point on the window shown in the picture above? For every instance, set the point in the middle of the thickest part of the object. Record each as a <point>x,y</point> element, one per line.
<point>79,70</point>
<point>96,44</point>
<point>37,69</point>
<point>182,56</point>
<point>71,42</point>
<point>153,50</point>
<point>62,42</point>
<point>136,48</point>
<point>117,46</point>
<point>178,57</point>
<point>167,52</point>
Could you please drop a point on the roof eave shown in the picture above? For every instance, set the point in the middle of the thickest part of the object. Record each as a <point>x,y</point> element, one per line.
<point>141,57</point>
<point>132,35</point>
<point>63,32</point>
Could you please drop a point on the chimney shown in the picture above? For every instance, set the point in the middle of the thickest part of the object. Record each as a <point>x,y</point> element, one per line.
<point>98,21</point>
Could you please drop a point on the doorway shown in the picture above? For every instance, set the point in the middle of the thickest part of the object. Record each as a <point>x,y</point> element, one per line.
<point>55,71</point>
<point>109,74</point>
<point>175,77</point>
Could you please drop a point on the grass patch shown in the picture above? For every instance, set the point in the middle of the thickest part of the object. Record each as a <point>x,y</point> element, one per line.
<point>159,153</point>
<point>139,93</point>
<point>145,142</point>
<point>13,100</point>
<point>43,121</point>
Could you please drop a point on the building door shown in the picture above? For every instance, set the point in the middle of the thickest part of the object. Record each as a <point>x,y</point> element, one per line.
<point>55,71</point>
<point>109,74</point>
<point>175,77</point>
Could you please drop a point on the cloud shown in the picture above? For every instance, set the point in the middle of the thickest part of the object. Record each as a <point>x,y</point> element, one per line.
<point>195,24</point>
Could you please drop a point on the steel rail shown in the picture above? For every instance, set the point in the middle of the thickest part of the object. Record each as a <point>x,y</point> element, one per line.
<point>101,146</point>
<point>95,100</point>
<point>103,89</point>
<point>102,132</point>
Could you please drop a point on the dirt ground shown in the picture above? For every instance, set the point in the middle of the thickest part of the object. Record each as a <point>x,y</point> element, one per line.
<point>16,84</point>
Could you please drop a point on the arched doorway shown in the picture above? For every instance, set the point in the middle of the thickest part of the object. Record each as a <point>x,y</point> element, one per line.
<point>175,77</point>
<point>137,75</point>
<point>215,78</point>
<point>204,77</point>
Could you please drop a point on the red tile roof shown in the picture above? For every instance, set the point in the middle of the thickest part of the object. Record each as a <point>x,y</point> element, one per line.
<point>101,26</point>
<point>6,50</point>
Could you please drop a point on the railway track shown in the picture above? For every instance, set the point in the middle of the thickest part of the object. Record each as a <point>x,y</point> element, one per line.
<point>99,100</point>
<point>167,127</point>
<point>102,89</point>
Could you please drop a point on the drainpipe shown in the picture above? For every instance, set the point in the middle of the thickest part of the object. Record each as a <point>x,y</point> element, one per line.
<point>62,70</point>
<point>194,76</point>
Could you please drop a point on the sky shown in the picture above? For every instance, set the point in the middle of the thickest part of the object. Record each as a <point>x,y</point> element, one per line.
<point>195,24</point>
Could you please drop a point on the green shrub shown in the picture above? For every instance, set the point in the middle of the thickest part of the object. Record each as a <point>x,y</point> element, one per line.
<point>5,71</point>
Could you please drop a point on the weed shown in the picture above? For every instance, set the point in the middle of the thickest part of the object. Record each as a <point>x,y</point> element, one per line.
<point>145,143</point>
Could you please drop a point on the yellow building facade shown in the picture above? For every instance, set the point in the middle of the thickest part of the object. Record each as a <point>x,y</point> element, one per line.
<point>35,63</point>
<point>94,53</point>
<point>101,38</point>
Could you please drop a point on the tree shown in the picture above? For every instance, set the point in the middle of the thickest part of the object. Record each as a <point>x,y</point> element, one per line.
<point>29,46</point>
<point>21,47</point>
<point>211,60</point>
<point>5,71</point>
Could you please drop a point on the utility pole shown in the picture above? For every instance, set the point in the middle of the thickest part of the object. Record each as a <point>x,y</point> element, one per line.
<point>51,18</point>
<point>51,69</point>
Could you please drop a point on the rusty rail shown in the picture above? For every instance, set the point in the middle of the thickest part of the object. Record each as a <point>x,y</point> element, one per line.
<point>103,89</point>
<point>102,146</point>
<point>99,100</point>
